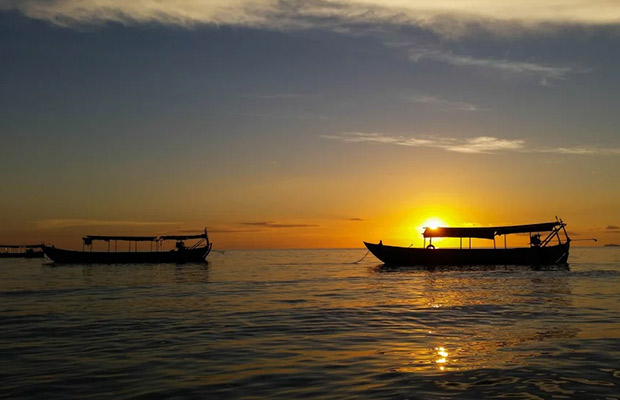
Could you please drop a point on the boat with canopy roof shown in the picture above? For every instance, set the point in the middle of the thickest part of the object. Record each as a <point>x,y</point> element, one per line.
<point>180,254</point>
<point>542,250</point>
<point>20,251</point>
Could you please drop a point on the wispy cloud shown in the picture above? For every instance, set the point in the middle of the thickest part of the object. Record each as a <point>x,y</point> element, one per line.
<point>441,15</point>
<point>612,228</point>
<point>486,144</point>
<point>474,145</point>
<point>232,230</point>
<point>280,115</point>
<point>507,66</point>
<point>70,223</point>
<point>278,225</point>
<point>276,96</point>
<point>581,150</point>
<point>444,104</point>
<point>481,144</point>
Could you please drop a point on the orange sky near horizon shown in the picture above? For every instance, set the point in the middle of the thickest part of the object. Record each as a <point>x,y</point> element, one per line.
<point>390,200</point>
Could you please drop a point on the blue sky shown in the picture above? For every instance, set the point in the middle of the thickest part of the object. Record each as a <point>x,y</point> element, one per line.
<point>288,113</point>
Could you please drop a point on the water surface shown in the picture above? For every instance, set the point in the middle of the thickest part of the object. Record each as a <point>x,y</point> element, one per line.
<point>310,324</point>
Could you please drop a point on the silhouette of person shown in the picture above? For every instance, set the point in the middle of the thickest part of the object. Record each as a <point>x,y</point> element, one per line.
<point>535,240</point>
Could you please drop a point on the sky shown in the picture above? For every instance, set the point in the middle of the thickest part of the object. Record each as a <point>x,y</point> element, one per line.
<point>307,124</point>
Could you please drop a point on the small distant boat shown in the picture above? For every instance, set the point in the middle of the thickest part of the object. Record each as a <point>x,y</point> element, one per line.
<point>541,251</point>
<point>21,251</point>
<point>179,255</point>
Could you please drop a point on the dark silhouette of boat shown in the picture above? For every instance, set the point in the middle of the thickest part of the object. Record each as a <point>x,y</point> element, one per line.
<point>21,251</point>
<point>181,254</point>
<point>541,251</point>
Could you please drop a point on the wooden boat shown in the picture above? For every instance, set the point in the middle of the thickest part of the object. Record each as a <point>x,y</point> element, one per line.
<point>21,251</point>
<point>540,251</point>
<point>179,255</point>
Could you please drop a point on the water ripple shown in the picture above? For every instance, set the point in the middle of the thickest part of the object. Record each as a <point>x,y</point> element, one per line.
<point>294,324</point>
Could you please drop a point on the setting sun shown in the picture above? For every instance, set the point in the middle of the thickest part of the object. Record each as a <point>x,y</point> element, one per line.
<point>433,223</point>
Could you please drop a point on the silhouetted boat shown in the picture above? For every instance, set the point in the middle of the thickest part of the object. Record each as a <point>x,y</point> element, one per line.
<point>179,255</point>
<point>20,251</point>
<point>539,252</point>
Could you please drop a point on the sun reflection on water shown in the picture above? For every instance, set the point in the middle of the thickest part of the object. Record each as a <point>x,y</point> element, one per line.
<point>443,357</point>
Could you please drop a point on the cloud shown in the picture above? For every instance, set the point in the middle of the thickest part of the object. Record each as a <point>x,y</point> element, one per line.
<point>481,144</point>
<point>385,20</point>
<point>71,223</point>
<point>276,96</point>
<point>232,230</point>
<point>280,115</point>
<point>278,225</point>
<point>186,13</point>
<point>357,219</point>
<point>612,227</point>
<point>507,66</point>
<point>475,145</point>
<point>444,104</point>
<point>357,137</point>
<point>216,230</point>
<point>581,150</point>
<point>446,16</point>
<point>486,144</point>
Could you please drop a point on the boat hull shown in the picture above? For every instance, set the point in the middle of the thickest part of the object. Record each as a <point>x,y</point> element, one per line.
<point>393,255</point>
<point>147,257</point>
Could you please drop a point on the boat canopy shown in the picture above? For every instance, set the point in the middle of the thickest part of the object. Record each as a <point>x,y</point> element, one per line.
<point>183,237</point>
<point>90,238</point>
<point>489,232</point>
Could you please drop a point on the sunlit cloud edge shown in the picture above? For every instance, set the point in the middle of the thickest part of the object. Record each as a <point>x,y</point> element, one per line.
<point>472,145</point>
<point>382,20</point>
<point>445,17</point>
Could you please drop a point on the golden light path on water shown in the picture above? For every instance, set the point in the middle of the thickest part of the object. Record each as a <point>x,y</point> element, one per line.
<point>444,357</point>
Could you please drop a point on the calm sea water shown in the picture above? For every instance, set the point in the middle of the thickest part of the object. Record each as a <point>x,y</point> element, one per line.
<point>310,324</point>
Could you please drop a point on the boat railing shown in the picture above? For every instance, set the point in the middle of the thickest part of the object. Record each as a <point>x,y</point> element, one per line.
<point>17,248</point>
